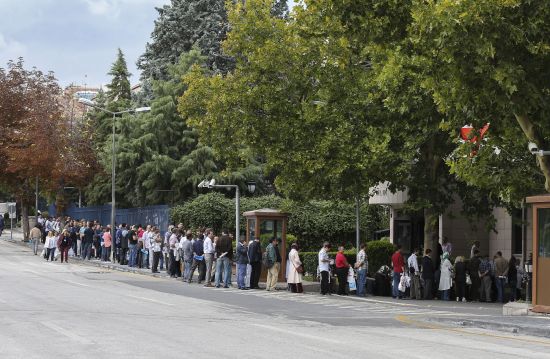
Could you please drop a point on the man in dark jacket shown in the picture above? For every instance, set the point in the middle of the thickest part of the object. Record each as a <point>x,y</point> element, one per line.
<point>123,244</point>
<point>255,256</point>
<point>198,259</point>
<point>224,254</point>
<point>87,241</point>
<point>242,262</point>
<point>473,268</point>
<point>428,274</point>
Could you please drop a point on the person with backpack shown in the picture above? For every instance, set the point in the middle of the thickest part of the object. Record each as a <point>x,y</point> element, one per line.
<point>124,245</point>
<point>273,263</point>
<point>64,243</point>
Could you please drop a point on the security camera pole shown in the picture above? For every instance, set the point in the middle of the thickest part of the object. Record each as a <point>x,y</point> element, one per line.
<point>534,149</point>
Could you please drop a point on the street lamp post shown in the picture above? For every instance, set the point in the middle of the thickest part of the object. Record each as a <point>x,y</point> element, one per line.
<point>90,103</point>
<point>251,188</point>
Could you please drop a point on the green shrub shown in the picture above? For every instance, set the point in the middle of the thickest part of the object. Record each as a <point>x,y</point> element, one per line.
<point>379,253</point>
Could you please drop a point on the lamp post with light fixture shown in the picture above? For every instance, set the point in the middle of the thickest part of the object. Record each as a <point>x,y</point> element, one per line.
<point>91,103</point>
<point>251,186</point>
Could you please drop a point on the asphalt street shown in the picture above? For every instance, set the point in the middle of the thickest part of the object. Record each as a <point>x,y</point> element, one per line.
<point>54,310</point>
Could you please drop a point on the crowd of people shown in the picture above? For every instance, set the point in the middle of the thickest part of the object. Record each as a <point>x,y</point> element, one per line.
<point>183,253</point>
<point>477,279</point>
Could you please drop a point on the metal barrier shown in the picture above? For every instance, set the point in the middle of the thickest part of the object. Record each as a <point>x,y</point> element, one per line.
<point>155,215</point>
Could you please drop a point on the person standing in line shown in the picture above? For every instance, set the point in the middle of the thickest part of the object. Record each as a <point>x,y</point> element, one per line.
<point>49,245</point>
<point>255,257</point>
<point>473,269</point>
<point>460,279</point>
<point>124,245</point>
<point>198,259</point>
<point>273,255</point>
<point>447,246</point>
<point>324,268</point>
<point>294,276</point>
<point>445,279</point>
<point>224,254</point>
<point>475,247</point>
<point>175,270</point>
<point>428,274</point>
<point>83,226</point>
<point>187,247</point>
<point>107,244</point>
<point>512,278</point>
<point>98,234</point>
<point>361,264</point>
<point>63,243</point>
<point>36,236</point>
<point>342,269</point>
<point>208,248</point>
<point>87,241</point>
<point>485,275</point>
<point>242,262</point>
<point>156,250</point>
<point>414,271</point>
<point>501,274</point>
<point>132,246</point>
<point>2,222</point>
<point>164,258</point>
<point>398,269</point>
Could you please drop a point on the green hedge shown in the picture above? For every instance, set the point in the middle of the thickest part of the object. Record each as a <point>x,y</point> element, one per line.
<point>311,222</point>
<point>378,252</point>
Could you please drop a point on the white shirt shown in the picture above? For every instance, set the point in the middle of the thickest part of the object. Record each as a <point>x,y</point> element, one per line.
<point>413,263</point>
<point>208,246</point>
<point>323,266</point>
<point>147,236</point>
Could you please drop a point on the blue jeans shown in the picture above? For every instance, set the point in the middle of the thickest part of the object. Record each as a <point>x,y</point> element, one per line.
<point>241,275</point>
<point>395,288</point>
<point>187,269</point>
<point>500,283</point>
<point>86,250</point>
<point>445,294</point>
<point>223,264</point>
<point>132,262</point>
<point>361,282</point>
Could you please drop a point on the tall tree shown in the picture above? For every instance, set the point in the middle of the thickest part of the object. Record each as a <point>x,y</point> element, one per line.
<point>488,61</point>
<point>119,88</point>
<point>185,23</point>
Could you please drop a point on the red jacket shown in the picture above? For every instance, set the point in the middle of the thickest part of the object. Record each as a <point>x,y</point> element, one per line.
<point>398,262</point>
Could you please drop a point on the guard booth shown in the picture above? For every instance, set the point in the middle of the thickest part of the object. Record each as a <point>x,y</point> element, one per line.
<point>265,224</point>
<point>541,251</point>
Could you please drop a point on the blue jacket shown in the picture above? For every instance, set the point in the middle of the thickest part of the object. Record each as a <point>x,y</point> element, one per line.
<point>242,254</point>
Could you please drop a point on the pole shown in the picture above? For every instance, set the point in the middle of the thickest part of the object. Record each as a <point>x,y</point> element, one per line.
<point>357,223</point>
<point>36,200</point>
<point>11,227</point>
<point>523,232</point>
<point>237,216</point>
<point>113,204</point>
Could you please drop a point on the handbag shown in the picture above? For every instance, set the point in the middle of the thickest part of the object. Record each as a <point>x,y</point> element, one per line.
<point>468,280</point>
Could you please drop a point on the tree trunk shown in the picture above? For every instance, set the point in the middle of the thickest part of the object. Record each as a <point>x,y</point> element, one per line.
<point>431,230</point>
<point>25,219</point>
<point>534,136</point>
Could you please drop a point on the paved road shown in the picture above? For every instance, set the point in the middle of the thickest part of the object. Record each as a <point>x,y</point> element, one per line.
<point>54,310</point>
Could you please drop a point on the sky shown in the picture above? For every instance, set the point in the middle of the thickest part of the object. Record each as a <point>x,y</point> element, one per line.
<point>76,39</point>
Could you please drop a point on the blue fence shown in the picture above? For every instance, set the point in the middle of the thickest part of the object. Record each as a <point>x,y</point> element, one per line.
<point>155,215</point>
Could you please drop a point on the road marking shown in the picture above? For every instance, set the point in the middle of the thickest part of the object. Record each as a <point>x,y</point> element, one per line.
<point>73,282</point>
<point>149,300</point>
<point>67,333</point>
<point>406,320</point>
<point>295,333</point>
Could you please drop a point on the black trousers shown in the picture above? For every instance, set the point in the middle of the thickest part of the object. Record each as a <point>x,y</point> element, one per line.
<point>428,288</point>
<point>156,260</point>
<point>460,289</point>
<point>255,274</point>
<point>324,283</point>
<point>342,274</point>
<point>474,288</point>
<point>122,256</point>
<point>174,266</point>
<point>296,287</point>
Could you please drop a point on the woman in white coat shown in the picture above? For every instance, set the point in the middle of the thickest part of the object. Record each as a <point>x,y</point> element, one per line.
<point>445,280</point>
<point>294,273</point>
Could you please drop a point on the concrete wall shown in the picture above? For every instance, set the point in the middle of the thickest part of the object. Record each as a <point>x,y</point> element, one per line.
<point>462,233</point>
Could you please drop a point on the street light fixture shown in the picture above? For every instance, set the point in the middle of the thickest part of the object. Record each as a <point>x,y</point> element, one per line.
<point>251,188</point>
<point>91,103</point>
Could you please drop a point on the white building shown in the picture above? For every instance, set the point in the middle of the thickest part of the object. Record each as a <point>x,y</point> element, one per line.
<point>408,229</point>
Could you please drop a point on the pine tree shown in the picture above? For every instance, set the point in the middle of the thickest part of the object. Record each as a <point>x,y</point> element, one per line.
<point>119,88</point>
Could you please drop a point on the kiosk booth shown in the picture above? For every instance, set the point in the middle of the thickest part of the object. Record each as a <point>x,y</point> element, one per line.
<point>265,224</point>
<point>541,252</point>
